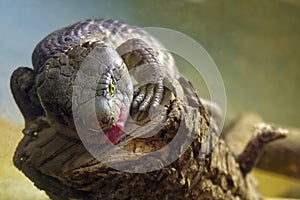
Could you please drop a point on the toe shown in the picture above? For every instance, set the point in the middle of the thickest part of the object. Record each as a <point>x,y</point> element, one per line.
<point>147,100</point>
<point>139,97</point>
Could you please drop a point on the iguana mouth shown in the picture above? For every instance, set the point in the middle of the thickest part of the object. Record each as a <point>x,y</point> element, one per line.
<point>113,134</point>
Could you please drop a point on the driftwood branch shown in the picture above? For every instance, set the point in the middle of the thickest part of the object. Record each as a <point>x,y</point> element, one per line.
<point>66,170</point>
<point>280,156</point>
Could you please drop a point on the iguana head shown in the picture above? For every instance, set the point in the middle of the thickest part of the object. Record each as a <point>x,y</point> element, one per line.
<point>104,83</point>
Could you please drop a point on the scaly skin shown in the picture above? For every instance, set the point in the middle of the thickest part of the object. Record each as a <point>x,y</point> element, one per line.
<point>104,51</point>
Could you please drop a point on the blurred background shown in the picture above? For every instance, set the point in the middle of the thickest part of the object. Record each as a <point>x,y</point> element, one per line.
<point>255,45</point>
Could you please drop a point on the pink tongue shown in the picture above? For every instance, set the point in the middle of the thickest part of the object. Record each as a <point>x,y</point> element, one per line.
<point>113,134</point>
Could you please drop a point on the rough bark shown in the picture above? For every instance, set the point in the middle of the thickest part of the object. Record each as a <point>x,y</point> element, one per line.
<point>66,170</point>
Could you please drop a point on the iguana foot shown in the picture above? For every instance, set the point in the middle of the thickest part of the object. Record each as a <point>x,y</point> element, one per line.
<point>148,96</point>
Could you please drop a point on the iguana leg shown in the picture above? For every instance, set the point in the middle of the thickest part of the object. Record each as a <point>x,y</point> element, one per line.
<point>144,66</point>
<point>22,84</point>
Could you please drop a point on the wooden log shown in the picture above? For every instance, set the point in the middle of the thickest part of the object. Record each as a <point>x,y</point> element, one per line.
<point>66,170</point>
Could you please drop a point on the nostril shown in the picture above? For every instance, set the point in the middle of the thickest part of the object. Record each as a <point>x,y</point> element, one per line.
<point>105,120</point>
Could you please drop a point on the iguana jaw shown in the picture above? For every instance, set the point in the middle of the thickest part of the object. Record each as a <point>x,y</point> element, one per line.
<point>113,134</point>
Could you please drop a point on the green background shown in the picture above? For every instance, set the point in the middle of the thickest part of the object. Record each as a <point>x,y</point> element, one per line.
<point>255,44</point>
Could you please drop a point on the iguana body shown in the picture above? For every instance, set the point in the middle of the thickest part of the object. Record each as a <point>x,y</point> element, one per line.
<point>114,48</point>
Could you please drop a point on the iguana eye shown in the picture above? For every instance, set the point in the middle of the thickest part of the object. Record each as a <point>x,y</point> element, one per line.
<point>111,89</point>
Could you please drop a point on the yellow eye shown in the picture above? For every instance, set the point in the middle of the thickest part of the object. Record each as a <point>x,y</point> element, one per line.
<point>111,89</point>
